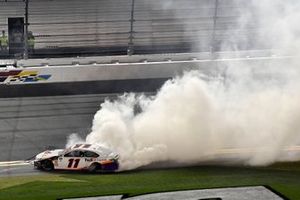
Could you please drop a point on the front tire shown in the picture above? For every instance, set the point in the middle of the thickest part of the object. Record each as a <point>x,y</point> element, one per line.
<point>47,165</point>
<point>94,167</point>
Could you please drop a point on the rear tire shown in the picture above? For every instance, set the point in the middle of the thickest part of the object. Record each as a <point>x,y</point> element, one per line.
<point>94,167</point>
<point>47,165</point>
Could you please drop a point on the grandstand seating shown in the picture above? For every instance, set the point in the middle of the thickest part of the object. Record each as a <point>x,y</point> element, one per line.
<point>171,25</point>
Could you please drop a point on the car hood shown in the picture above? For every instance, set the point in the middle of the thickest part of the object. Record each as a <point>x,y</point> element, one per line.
<point>48,154</point>
<point>107,153</point>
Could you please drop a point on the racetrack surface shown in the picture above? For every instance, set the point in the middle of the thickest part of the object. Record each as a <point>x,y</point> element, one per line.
<point>30,125</point>
<point>23,169</point>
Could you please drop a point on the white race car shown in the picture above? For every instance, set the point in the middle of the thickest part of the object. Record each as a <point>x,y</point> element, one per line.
<point>91,157</point>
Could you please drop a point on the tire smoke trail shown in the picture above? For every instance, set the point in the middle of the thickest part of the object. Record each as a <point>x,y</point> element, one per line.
<point>189,120</point>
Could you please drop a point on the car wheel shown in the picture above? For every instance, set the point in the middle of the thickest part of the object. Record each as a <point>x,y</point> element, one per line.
<point>47,165</point>
<point>94,167</point>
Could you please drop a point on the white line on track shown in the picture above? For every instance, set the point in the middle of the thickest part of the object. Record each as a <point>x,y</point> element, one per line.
<point>7,170</point>
<point>255,150</point>
<point>14,163</point>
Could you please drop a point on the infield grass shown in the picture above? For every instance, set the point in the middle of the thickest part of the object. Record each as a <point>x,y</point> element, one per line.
<point>282,177</point>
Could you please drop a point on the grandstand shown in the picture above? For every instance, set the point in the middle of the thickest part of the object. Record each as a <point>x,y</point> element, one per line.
<point>102,27</point>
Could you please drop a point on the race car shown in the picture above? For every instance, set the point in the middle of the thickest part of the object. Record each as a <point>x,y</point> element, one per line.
<point>89,157</point>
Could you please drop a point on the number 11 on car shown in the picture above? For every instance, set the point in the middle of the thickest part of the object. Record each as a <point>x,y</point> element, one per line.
<point>71,161</point>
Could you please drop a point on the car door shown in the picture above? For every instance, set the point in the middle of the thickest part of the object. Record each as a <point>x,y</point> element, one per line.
<point>89,157</point>
<point>72,160</point>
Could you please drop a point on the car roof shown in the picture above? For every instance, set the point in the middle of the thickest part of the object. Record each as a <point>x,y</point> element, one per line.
<point>90,147</point>
<point>82,146</point>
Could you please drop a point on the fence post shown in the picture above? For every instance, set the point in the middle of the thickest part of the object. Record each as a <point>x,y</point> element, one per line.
<point>26,30</point>
<point>130,49</point>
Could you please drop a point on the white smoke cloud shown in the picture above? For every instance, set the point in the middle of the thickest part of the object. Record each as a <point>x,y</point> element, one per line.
<point>73,139</point>
<point>189,120</point>
<point>253,111</point>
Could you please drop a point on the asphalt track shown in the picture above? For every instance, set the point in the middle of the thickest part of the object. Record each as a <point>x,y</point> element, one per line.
<point>20,169</point>
<point>30,125</point>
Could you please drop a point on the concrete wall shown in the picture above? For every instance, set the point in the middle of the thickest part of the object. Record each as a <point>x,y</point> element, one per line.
<point>118,67</point>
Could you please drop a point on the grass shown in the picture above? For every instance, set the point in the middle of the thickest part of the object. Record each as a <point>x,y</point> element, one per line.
<point>282,177</point>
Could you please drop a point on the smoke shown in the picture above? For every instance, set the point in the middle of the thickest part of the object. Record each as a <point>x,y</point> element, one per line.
<point>190,120</point>
<point>73,139</point>
<point>251,111</point>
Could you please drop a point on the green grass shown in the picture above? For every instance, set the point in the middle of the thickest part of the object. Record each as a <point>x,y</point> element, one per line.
<point>282,177</point>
